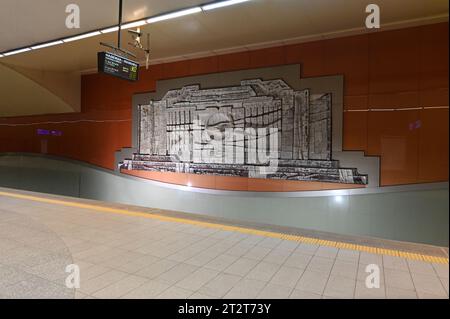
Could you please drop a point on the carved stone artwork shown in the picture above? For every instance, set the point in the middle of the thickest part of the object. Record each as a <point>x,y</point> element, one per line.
<point>261,129</point>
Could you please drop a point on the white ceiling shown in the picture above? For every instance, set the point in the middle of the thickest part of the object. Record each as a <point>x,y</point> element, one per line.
<point>25,22</point>
<point>48,78</point>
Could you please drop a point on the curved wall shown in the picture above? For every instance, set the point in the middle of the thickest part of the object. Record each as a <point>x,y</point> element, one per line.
<point>410,213</point>
<point>403,74</point>
<point>22,94</point>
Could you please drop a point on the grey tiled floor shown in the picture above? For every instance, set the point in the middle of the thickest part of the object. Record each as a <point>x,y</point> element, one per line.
<point>135,257</point>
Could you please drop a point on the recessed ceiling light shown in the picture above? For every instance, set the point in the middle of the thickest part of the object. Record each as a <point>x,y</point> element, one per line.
<point>174,15</point>
<point>83,36</point>
<point>221,4</point>
<point>16,51</point>
<point>46,45</point>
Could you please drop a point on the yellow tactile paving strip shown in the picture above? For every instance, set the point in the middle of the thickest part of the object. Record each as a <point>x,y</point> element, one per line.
<point>308,240</point>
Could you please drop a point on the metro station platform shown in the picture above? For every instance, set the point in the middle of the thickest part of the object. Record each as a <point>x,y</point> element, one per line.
<point>134,252</point>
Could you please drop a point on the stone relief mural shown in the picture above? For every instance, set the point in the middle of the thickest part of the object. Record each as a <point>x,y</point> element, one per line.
<point>262,129</point>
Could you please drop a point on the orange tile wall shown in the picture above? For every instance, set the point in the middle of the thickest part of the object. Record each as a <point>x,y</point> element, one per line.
<point>398,69</point>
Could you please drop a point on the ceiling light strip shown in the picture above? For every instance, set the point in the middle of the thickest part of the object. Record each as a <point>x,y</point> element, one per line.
<point>16,51</point>
<point>134,24</point>
<point>221,4</point>
<point>46,45</point>
<point>174,15</point>
<point>82,36</point>
<point>109,30</point>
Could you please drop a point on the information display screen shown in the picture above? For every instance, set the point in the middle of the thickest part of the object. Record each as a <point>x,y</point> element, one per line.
<point>118,66</point>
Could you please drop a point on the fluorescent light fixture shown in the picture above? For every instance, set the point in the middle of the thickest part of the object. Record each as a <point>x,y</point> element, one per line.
<point>46,45</point>
<point>108,30</point>
<point>222,4</point>
<point>83,36</point>
<point>133,24</point>
<point>1,55</point>
<point>124,26</point>
<point>174,15</point>
<point>16,51</point>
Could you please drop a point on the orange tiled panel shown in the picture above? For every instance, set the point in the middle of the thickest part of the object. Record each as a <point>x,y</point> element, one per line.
<point>433,145</point>
<point>356,102</point>
<point>148,78</point>
<point>264,185</point>
<point>205,181</point>
<point>355,131</point>
<point>394,61</point>
<point>267,57</point>
<point>237,183</point>
<point>70,143</point>
<point>234,61</point>
<point>395,137</point>
<point>434,56</point>
<point>175,70</point>
<point>394,100</point>
<point>349,56</point>
<point>231,183</point>
<point>434,97</point>
<point>203,66</point>
<point>295,186</point>
<point>171,178</point>
<point>101,92</point>
<point>310,55</point>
